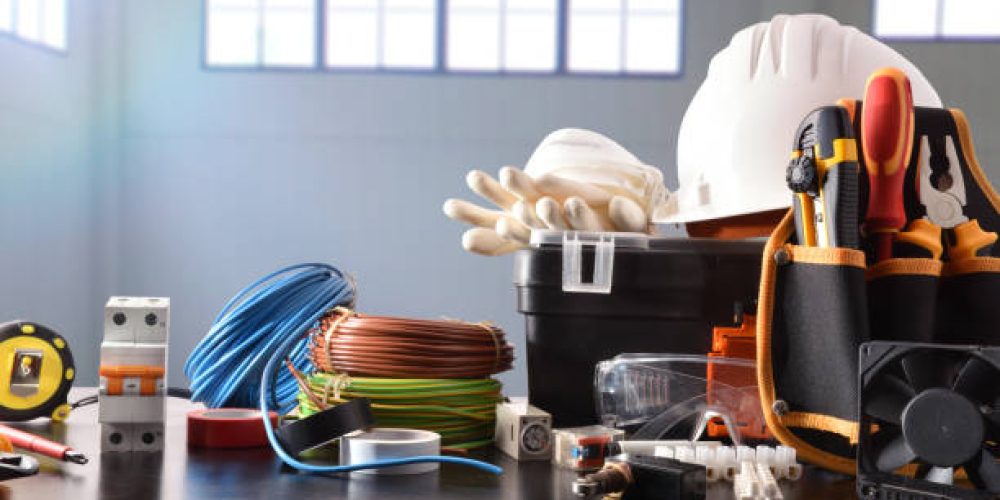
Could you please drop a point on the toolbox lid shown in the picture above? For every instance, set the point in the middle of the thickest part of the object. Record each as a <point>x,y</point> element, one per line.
<point>588,257</point>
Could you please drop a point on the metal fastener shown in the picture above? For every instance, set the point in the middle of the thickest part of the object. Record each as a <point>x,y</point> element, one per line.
<point>781,257</point>
<point>780,407</point>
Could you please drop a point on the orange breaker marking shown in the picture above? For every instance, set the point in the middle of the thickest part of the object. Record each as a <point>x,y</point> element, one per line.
<point>147,375</point>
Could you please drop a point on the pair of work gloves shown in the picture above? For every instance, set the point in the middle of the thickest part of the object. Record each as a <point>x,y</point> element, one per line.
<point>575,180</point>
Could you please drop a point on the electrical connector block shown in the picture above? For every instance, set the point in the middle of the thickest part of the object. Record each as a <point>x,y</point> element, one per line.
<point>790,469</point>
<point>755,482</point>
<point>746,485</point>
<point>769,485</point>
<point>722,462</point>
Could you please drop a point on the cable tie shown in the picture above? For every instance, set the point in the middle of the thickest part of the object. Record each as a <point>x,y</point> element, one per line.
<point>343,313</point>
<point>337,381</point>
<point>496,343</point>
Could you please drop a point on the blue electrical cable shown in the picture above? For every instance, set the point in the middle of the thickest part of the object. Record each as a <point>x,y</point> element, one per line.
<point>238,363</point>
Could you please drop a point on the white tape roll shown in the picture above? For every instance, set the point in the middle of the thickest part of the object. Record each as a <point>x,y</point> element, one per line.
<point>382,443</point>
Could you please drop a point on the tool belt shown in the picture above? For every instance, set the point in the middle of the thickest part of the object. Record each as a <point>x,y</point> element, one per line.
<point>818,304</point>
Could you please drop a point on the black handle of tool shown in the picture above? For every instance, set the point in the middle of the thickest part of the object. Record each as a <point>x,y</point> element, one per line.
<point>841,199</point>
<point>819,171</point>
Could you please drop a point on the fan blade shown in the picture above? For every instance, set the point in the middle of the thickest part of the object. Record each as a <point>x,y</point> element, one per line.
<point>924,370</point>
<point>885,398</point>
<point>984,472</point>
<point>977,381</point>
<point>940,475</point>
<point>992,422</point>
<point>893,455</point>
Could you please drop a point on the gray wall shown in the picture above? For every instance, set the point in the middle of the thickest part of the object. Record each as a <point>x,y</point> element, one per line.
<point>228,175</point>
<point>55,149</point>
<point>208,179</point>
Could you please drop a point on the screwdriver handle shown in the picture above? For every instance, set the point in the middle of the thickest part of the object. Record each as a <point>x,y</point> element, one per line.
<point>970,241</point>
<point>887,141</point>
<point>31,442</point>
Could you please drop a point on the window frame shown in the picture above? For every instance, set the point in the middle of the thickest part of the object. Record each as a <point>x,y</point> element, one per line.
<point>13,36</point>
<point>440,67</point>
<point>938,37</point>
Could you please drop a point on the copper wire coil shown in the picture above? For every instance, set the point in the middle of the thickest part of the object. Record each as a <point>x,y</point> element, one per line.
<point>381,346</point>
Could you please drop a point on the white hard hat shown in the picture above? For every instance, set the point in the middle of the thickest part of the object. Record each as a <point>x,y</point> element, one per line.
<point>737,134</point>
<point>588,157</point>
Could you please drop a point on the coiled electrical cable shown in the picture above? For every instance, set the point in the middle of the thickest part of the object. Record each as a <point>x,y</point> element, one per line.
<point>225,368</point>
<point>380,346</point>
<point>271,372</point>
<point>462,411</point>
<point>238,363</point>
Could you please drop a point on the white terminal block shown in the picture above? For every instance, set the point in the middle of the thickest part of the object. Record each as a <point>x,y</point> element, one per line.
<point>769,486</point>
<point>725,457</point>
<point>723,462</point>
<point>133,373</point>
<point>746,485</point>
<point>788,467</point>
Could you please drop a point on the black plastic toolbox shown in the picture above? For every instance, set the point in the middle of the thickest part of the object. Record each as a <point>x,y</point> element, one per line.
<point>647,295</point>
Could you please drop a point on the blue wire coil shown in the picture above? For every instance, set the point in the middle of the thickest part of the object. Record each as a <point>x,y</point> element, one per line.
<point>225,368</point>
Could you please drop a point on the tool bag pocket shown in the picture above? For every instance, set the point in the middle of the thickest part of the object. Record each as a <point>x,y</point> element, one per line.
<point>812,317</point>
<point>902,299</point>
<point>969,309</point>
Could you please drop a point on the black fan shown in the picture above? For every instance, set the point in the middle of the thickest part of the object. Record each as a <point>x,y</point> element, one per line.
<point>933,406</point>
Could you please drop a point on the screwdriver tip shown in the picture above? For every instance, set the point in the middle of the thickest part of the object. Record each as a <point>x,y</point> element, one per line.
<point>75,457</point>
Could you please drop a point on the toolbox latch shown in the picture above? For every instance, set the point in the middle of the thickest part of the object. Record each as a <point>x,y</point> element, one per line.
<point>572,265</point>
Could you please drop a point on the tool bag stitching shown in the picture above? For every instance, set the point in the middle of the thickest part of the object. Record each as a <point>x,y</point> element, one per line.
<point>905,267</point>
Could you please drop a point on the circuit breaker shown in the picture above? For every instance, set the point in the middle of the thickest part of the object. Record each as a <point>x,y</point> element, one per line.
<point>133,373</point>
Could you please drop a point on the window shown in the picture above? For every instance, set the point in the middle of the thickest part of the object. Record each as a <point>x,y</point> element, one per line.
<point>494,35</point>
<point>40,22</point>
<point>937,19</point>
<point>617,37</point>
<point>261,33</point>
<point>381,33</point>
<point>624,36</point>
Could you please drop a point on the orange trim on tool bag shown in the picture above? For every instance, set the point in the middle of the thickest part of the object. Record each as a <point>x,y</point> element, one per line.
<point>765,368</point>
<point>826,255</point>
<point>828,423</point>
<point>972,265</point>
<point>965,138</point>
<point>904,267</point>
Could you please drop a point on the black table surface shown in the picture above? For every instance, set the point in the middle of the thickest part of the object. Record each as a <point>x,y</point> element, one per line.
<point>182,473</point>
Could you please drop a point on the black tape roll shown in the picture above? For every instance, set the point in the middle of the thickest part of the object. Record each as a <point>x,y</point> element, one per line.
<point>325,426</point>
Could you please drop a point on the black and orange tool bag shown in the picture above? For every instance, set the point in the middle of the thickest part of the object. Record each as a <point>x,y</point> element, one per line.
<point>818,304</point>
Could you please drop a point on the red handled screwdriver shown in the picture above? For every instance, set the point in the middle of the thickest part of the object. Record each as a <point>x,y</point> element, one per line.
<point>887,141</point>
<point>40,445</point>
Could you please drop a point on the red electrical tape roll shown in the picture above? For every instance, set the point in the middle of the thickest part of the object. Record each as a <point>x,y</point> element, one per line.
<point>227,428</point>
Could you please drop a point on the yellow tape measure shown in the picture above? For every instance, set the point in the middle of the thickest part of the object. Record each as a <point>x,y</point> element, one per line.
<point>36,372</point>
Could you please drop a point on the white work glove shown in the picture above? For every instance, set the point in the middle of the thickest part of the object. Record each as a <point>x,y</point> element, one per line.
<point>576,179</point>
